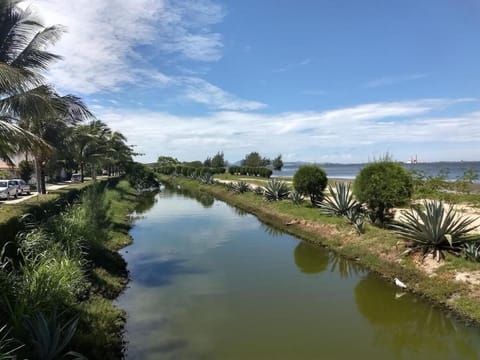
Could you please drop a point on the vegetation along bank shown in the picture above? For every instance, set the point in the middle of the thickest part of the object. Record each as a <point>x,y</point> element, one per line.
<point>60,274</point>
<point>441,267</point>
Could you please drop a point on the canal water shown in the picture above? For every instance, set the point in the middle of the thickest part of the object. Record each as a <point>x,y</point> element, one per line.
<point>211,282</point>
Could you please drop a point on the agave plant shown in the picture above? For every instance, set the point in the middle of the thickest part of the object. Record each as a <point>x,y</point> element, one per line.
<point>8,345</point>
<point>436,229</point>
<point>471,251</point>
<point>356,217</point>
<point>242,187</point>
<point>340,201</point>
<point>50,337</point>
<point>230,186</point>
<point>206,179</point>
<point>276,190</point>
<point>296,197</point>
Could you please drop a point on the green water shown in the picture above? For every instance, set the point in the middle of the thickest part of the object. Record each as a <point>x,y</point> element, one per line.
<point>210,282</point>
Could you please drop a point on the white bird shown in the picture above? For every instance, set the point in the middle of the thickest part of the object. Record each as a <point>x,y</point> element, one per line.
<point>400,284</point>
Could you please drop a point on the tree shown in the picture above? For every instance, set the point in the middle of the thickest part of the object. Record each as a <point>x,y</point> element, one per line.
<point>383,185</point>
<point>310,180</point>
<point>22,60</point>
<point>218,160</point>
<point>277,163</point>
<point>255,160</point>
<point>26,169</point>
<point>167,161</point>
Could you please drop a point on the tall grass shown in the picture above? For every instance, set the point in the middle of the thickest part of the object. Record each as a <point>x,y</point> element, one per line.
<point>50,274</point>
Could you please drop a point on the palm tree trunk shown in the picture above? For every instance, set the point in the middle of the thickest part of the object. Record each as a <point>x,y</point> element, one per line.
<point>39,175</point>
<point>81,172</point>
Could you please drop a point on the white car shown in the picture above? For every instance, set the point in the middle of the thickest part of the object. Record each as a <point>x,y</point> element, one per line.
<point>7,190</point>
<point>22,187</point>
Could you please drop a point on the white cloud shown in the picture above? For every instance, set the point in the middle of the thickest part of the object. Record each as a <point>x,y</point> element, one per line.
<point>100,49</point>
<point>392,80</point>
<point>349,134</point>
<point>202,92</point>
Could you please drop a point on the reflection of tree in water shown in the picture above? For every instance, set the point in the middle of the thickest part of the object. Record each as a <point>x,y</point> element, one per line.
<point>311,259</point>
<point>145,201</point>
<point>239,211</point>
<point>272,231</point>
<point>206,200</point>
<point>345,267</point>
<point>408,326</point>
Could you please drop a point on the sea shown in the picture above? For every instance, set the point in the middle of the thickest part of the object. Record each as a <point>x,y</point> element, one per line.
<point>451,170</point>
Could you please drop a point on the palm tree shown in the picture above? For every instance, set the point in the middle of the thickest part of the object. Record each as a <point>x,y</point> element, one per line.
<point>23,39</point>
<point>90,145</point>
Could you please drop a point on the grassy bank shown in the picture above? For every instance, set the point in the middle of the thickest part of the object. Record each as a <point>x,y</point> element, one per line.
<point>64,276</point>
<point>38,206</point>
<point>377,249</point>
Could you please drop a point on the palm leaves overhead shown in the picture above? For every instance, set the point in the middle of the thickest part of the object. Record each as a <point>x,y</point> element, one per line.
<point>23,55</point>
<point>438,228</point>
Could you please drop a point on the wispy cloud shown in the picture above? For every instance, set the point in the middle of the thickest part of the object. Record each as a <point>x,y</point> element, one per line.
<point>392,80</point>
<point>292,66</point>
<point>100,49</point>
<point>202,92</point>
<point>349,134</point>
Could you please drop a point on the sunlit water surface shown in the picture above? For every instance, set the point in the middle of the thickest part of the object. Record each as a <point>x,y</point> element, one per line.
<point>210,282</point>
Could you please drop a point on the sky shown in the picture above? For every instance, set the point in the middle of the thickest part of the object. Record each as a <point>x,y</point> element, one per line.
<point>314,80</point>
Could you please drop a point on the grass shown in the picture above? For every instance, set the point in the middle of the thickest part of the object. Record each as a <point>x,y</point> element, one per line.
<point>69,264</point>
<point>378,250</point>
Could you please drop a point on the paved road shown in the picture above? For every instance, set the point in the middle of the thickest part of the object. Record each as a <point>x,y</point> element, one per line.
<point>33,194</point>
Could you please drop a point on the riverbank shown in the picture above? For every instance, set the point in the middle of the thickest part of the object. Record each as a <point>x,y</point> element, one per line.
<point>102,322</point>
<point>451,284</point>
<point>64,267</point>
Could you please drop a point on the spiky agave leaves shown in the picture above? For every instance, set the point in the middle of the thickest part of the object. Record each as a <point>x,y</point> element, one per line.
<point>8,345</point>
<point>51,336</point>
<point>436,229</point>
<point>471,251</point>
<point>242,187</point>
<point>276,190</point>
<point>296,197</point>
<point>340,201</point>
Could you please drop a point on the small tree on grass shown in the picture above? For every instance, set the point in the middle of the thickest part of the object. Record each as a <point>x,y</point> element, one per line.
<point>310,180</point>
<point>277,163</point>
<point>383,185</point>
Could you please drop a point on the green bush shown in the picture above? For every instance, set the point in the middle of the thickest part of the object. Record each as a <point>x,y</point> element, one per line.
<point>383,185</point>
<point>310,180</point>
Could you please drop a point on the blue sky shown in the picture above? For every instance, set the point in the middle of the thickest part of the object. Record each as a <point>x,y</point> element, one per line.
<point>325,81</point>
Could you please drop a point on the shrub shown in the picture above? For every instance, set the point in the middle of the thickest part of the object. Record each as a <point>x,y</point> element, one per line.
<point>436,229</point>
<point>310,180</point>
<point>340,201</point>
<point>276,190</point>
<point>383,185</point>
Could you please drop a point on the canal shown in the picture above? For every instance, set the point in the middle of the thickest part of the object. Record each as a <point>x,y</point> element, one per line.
<point>211,282</point>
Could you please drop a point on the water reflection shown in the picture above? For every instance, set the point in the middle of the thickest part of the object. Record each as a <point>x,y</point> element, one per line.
<point>150,271</point>
<point>345,267</point>
<point>407,325</point>
<point>206,200</point>
<point>274,232</point>
<point>311,259</point>
<point>146,201</point>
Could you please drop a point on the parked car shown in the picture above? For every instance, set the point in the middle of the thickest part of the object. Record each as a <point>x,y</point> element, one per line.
<point>16,185</point>
<point>7,190</point>
<point>76,178</point>
<point>23,187</point>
